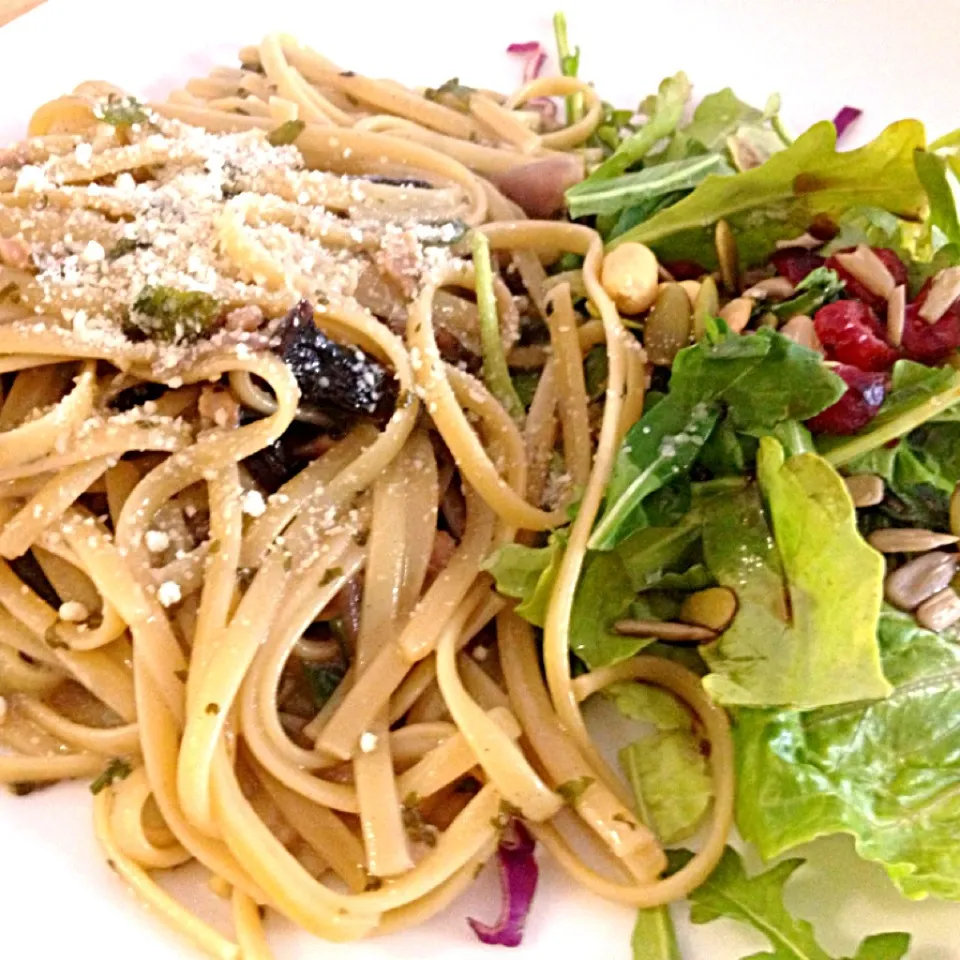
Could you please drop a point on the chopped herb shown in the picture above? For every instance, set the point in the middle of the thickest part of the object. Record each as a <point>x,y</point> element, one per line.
<point>496,373</point>
<point>569,66</point>
<point>525,384</point>
<point>418,830</point>
<point>286,133</point>
<point>452,92</point>
<point>213,709</point>
<point>172,316</point>
<point>117,769</point>
<point>124,246</point>
<point>506,813</point>
<point>324,680</point>
<point>573,790</point>
<point>121,111</point>
<point>214,548</point>
<point>334,573</point>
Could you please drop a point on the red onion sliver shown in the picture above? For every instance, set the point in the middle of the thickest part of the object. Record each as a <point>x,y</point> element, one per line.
<point>844,118</point>
<point>535,57</point>
<point>518,883</point>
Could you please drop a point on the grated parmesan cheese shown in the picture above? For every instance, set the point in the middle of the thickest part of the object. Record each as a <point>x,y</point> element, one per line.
<point>168,593</point>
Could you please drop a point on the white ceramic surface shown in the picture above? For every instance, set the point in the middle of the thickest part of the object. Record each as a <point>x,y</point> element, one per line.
<point>891,58</point>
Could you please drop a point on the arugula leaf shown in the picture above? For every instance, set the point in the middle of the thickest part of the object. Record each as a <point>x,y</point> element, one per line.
<point>645,186</point>
<point>818,287</point>
<point>806,182</point>
<point>762,379</point>
<point>664,112</point>
<point>660,446</point>
<point>669,771</point>
<point>805,631</point>
<point>121,111</point>
<point>720,115</point>
<point>919,393</point>
<point>885,771</point>
<point>758,902</point>
<point>610,582</point>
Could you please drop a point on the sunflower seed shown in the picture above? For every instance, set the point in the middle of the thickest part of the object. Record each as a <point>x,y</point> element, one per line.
<point>737,313</point>
<point>772,288</point>
<point>909,540</point>
<point>800,329</point>
<point>728,256</point>
<point>866,489</point>
<point>943,293</point>
<point>869,269</point>
<point>665,630</point>
<point>908,586</point>
<point>941,611</point>
<point>896,314</point>
<point>713,608</point>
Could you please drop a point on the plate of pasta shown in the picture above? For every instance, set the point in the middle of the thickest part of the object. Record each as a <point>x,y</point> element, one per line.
<point>459,495</point>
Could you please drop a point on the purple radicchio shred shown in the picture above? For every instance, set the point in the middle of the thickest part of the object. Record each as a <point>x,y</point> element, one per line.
<point>844,118</point>
<point>518,883</point>
<point>534,58</point>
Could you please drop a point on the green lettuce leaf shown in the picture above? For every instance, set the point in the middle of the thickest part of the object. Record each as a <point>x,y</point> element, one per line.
<point>805,631</point>
<point>758,902</point>
<point>527,574</point>
<point>670,772</point>
<point>939,182</point>
<point>806,182</point>
<point>885,772</point>
<point>649,704</point>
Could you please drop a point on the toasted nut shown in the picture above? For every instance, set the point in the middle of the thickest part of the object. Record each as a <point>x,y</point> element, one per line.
<point>942,610</point>
<point>665,630</point>
<point>909,540</point>
<point>70,114</point>
<point>707,305</point>
<point>943,293</point>
<point>629,275</point>
<point>693,289</point>
<point>908,586</point>
<point>955,511</point>
<point>713,608</point>
<point>869,269</point>
<point>667,330</point>
<point>896,314</point>
<point>866,489</point>
<point>800,329</point>
<point>728,256</point>
<point>772,288</point>
<point>737,313</point>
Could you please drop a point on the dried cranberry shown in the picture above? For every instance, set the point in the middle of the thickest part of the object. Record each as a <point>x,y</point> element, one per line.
<point>930,342</point>
<point>852,334</point>
<point>857,407</point>
<point>857,290</point>
<point>795,263</point>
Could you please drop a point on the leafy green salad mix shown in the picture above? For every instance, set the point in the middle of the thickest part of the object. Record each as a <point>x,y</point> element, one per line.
<point>807,480</point>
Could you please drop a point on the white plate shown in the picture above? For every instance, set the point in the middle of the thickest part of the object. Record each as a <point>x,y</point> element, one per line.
<point>58,896</point>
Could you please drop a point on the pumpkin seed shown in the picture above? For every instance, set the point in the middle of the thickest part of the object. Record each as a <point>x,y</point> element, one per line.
<point>713,608</point>
<point>908,586</point>
<point>909,540</point>
<point>707,305</point>
<point>942,610</point>
<point>866,489</point>
<point>667,330</point>
<point>737,313</point>
<point>665,630</point>
<point>728,256</point>
<point>896,314</point>
<point>693,289</point>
